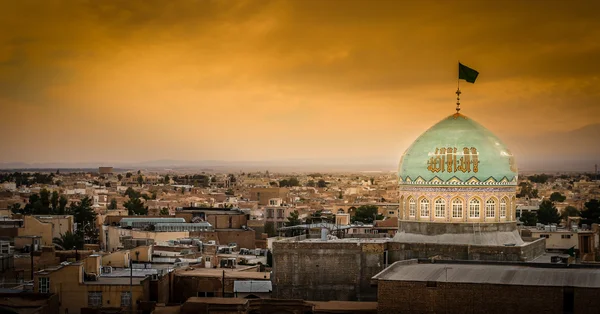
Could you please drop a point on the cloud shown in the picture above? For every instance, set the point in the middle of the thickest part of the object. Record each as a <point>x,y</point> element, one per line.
<point>293,78</point>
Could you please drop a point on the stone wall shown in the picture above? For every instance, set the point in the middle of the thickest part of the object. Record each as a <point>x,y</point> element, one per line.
<point>323,271</point>
<point>527,252</point>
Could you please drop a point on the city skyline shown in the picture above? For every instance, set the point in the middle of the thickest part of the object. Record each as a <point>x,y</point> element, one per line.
<point>293,80</point>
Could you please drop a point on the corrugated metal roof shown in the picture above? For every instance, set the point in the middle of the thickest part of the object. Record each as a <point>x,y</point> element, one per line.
<point>249,286</point>
<point>317,225</point>
<point>495,274</point>
<point>146,219</point>
<point>183,224</point>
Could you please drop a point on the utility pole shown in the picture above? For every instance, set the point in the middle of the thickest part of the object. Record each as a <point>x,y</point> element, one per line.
<point>31,252</point>
<point>223,285</point>
<point>130,284</point>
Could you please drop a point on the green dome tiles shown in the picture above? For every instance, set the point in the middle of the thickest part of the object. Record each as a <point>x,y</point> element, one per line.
<point>458,151</point>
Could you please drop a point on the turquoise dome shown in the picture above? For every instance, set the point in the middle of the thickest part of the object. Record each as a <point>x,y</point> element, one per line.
<point>458,151</point>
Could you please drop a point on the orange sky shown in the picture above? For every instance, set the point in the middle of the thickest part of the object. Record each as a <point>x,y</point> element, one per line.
<point>129,81</point>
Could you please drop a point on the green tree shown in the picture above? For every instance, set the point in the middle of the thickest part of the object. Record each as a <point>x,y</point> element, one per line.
<point>539,178</point>
<point>529,218</point>
<point>45,199</point>
<point>119,177</point>
<point>164,212</point>
<point>82,212</point>
<point>140,180</point>
<point>128,175</point>
<point>321,183</point>
<point>153,195</point>
<point>366,214</point>
<point>293,182</point>
<point>54,201</point>
<point>112,204</point>
<point>136,207</point>
<point>131,193</point>
<point>570,211</point>
<point>557,197</point>
<point>311,183</point>
<point>62,205</point>
<point>527,190</point>
<point>34,206</point>
<point>591,213</point>
<point>270,229</point>
<point>167,179</point>
<point>293,219</point>
<point>15,208</point>
<point>182,190</point>
<point>68,241</point>
<point>548,214</point>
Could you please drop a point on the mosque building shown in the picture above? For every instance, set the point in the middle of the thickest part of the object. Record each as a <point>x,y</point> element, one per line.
<point>457,185</point>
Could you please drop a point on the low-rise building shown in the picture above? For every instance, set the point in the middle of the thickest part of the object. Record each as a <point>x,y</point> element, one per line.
<point>81,285</point>
<point>442,287</point>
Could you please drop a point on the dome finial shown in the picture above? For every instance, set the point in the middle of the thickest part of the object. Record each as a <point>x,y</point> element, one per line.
<point>458,100</point>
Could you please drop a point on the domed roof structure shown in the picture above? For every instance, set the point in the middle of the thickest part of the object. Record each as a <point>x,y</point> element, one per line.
<point>458,151</point>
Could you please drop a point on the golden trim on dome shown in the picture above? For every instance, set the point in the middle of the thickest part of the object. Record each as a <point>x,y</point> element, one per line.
<point>491,180</point>
<point>459,115</point>
<point>473,180</point>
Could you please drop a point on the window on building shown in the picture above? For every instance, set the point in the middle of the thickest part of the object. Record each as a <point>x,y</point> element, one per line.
<point>474,208</point>
<point>457,208</point>
<point>270,213</point>
<point>44,284</point>
<point>490,208</point>
<point>565,236</point>
<point>503,208</point>
<point>412,207</point>
<point>125,298</point>
<point>424,207</point>
<point>544,236</point>
<point>95,298</point>
<point>440,208</point>
<point>280,213</point>
<point>391,212</point>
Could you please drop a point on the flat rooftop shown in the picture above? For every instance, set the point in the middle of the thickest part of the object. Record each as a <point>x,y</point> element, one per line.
<point>344,306</point>
<point>218,273</point>
<point>349,240</point>
<point>115,281</point>
<point>526,275</point>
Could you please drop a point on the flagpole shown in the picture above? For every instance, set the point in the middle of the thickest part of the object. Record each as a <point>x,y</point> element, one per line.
<point>458,91</point>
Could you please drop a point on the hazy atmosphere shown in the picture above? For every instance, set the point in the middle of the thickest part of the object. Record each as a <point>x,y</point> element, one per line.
<point>303,81</point>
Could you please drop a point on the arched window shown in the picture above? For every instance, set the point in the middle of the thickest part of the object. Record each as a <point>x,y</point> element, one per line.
<point>412,207</point>
<point>424,207</point>
<point>474,208</point>
<point>503,208</point>
<point>440,208</point>
<point>490,208</point>
<point>457,208</point>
